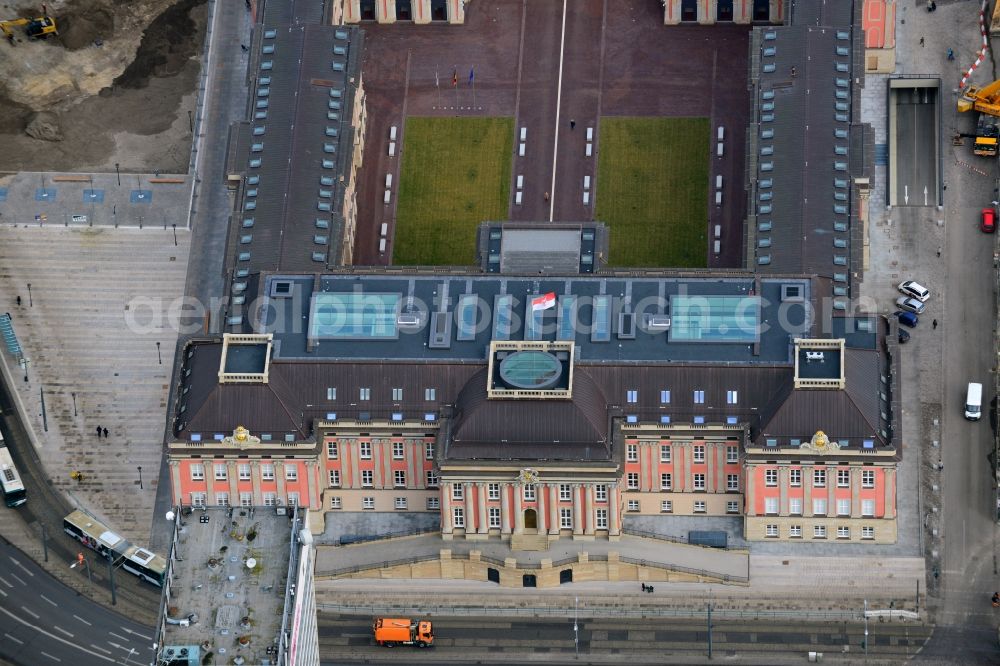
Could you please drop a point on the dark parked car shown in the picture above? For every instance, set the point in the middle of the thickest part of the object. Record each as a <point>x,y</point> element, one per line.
<point>906,318</point>
<point>904,336</point>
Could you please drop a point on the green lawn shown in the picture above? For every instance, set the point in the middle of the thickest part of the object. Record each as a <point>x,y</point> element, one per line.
<point>456,174</point>
<point>652,190</point>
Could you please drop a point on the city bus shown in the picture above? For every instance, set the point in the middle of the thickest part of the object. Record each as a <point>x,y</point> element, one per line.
<point>93,534</point>
<point>14,493</point>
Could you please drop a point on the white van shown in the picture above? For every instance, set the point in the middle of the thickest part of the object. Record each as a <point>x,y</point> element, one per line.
<point>974,401</point>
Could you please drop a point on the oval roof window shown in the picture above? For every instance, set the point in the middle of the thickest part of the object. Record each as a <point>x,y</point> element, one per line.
<point>531,370</point>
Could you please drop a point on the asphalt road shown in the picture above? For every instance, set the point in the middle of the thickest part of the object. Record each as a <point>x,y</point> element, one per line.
<point>484,640</point>
<point>44,622</point>
<point>916,154</point>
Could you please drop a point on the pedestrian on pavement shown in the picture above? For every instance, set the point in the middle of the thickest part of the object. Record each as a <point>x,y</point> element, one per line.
<point>244,47</point>
<point>98,432</point>
<point>939,251</point>
<point>643,587</point>
<point>546,196</point>
<point>105,433</point>
<point>921,41</point>
<point>18,301</point>
<point>934,323</point>
<point>572,124</point>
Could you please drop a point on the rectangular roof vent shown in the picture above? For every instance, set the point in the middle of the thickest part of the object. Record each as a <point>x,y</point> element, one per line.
<point>764,183</point>
<point>281,288</point>
<point>840,133</point>
<point>340,34</point>
<point>764,241</point>
<point>247,222</point>
<point>767,133</point>
<point>764,225</point>
<point>768,68</point>
<point>770,51</point>
<point>322,224</point>
<point>840,209</point>
<point>626,326</point>
<point>339,50</point>
<point>840,242</point>
<point>440,331</point>
<point>336,92</point>
<point>792,293</point>
<point>840,226</point>
<point>319,256</point>
<point>843,67</point>
<point>337,66</point>
<point>843,51</point>
<point>270,34</point>
<point>764,260</point>
<point>656,322</point>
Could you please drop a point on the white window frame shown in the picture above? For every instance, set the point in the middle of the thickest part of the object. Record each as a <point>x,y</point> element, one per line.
<point>700,506</point>
<point>699,481</point>
<point>367,478</point>
<point>601,492</point>
<point>397,394</point>
<point>246,500</point>
<point>601,519</point>
<point>493,491</point>
<point>433,503</point>
<point>666,506</point>
<point>632,481</point>
<point>197,472</point>
<point>843,478</point>
<point>333,478</point>
<point>428,450</point>
<point>771,531</point>
<point>631,453</point>
<point>291,472</point>
<point>867,532</point>
<point>267,472</point>
<point>633,505</point>
<point>843,507</point>
<point>430,394</point>
<point>399,503</point>
<point>220,472</point>
<point>493,516</point>
<point>332,451</point>
<point>867,478</point>
<point>843,532</point>
<point>771,478</point>
<point>368,502</point>
<point>364,394</point>
<point>771,506</point>
<point>732,506</point>
<point>795,506</point>
<point>243,469</point>
<point>733,482</point>
<point>795,477</point>
<point>819,478</point>
<point>565,492</point>
<point>335,502</point>
<point>458,516</point>
<point>819,531</point>
<point>293,499</point>
<point>432,478</point>
<point>365,450</point>
<point>331,392</point>
<point>270,499</point>
<point>565,518</point>
<point>732,454</point>
<point>198,500</point>
<point>457,492</point>
<point>699,453</point>
<point>398,450</point>
<point>666,481</point>
<point>666,454</point>
<point>819,506</point>
<point>399,478</point>
<point>222,499</point>
<point>795,531</point>
<point>868,508</point>
<point>529,492</point>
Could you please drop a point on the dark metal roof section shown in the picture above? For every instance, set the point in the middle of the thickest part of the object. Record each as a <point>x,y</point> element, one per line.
<point>805,169</point>
<point>542,248</point>
<point>290,160</point>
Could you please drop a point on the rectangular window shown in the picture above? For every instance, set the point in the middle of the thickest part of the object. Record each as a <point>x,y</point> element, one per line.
<point>430,394</point>
<point>632,396</point>
<point>399,478</point>
<point>700,506</point>
<point>602,519</point>
<point>664,453</point>
<point>665,397</point>
<point>367,502</point>
<point>222,499</point>
<point>819,478</point>
<point>246,500</point>
<point>367,478</point>
<point>566,518</point>
<point>770,477</point>
<point>397,450</point>
<point>291,473</point>
<point>843,507</point>
<point>633,505</point>
<point>428,450</point>
<point>666,506</point>
<point>771,506</point>
<point>458,516</point>
<point>332,451</point>
<point>399,503</point>
<point>733,482</point>
<point>494,515</point>
<point>732,397</point>
<point>198,500</point>
<point>529,492</point>
<point>795,531</point>
<point>699,481</point>
<point>843,532</point>
<point>432,478</point>
<point>699,397</point>
<point>631,453</point>
<point>244,471</point>
<point>819,507</point>
<point>632,481</point>
<point>732,454</point>
<point>565,492</point>
<point>601,493</point>
<point>843,478</point>
<point>397,394</point>
<point>267,472</point>
<point>867,508</point>
<point>197,472</point>
<point>771,531</point>
<point>334,478</point>
<point>819,531</point>
<point>795,506</point>
<point>699,453</point>
<point>366,450</point>
<point>494,491</point>
<point>457,491</point>
<point>293,499</point>
<point>433,503</point>
<point>732,507</point>
<point>666,482</point>
<point>221,472</point>
<point>867,478</point>
<point>335,503</point>
<point>364,394</point>
<point>331,393</point>
<point>795,477</point>
<point>867,532</point>
<point>270,499</point>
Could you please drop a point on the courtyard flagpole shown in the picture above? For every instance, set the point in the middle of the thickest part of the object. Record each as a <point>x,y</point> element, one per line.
<point>472,80</point>
<point>437,84</point>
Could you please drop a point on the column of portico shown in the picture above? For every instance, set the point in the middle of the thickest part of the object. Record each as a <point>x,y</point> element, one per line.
<point>518,490</point>
<point>446,526</point>
<point>613,509</point>
<point>175,483</point>
<point>484,522</point>
<point>644,481</point>
<point>505,508</point>
<point>577,511</point>
<point>542,490</point>
<point>855,492</point>
<point>807,485</point>
<point>751,475</point>
<point>554,509</point>
<point>209,483</point>
<point>279,475</point>
<point>889,488</point>
<point>258,499</point>
<point>352,11</point>
<point>783,491</point>
<point>589,495</point>
<point>385,11</point>
<point>470,509</point>
<point>312,484</point>
<point>232,474</point>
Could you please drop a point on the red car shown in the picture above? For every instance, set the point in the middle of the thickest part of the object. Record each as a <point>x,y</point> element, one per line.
<point>988,222</point>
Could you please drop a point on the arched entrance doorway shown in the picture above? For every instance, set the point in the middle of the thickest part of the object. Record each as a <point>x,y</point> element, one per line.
<point>530,519</point>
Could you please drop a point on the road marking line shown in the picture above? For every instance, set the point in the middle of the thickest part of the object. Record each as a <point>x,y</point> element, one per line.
<point>82,620</point>
<point>136,633</point>
<point>18,579</point>
<point>49,600</point>
<point>34,615</point>
<point>50,656</point>
<point>122,638</point>
<point>63,630</point>
<point>16,640</point>
<point>4,581</point>
<point>21,565</point>
<point>98,647</point>
<point>555,147</point>
<point>3,593</point>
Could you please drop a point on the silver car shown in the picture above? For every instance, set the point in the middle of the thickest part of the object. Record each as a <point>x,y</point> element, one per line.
<point>911,304</point>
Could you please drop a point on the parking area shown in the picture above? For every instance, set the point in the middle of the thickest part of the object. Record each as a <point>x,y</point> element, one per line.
<point>506,61</point>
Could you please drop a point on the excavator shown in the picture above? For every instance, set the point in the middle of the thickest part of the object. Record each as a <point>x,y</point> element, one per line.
<point>986,102</point>
<point>34,28</point>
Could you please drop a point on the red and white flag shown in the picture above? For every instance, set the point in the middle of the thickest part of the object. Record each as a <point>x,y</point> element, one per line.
<point>543,302</point>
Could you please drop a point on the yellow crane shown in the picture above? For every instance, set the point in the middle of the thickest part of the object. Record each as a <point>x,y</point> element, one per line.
<point>986,101</point>
<point>34,28</point>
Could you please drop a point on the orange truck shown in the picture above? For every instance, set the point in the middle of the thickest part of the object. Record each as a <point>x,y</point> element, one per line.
<point>391,632</point>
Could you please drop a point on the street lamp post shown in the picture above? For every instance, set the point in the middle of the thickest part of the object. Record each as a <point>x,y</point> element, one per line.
<point>175,234</point>
<point>111,577</point>
<point>158,357</point>
<point>118,173</point>
<point>24,364</point>
<point>576,625</point>
<point>74,403</point>
<point>139,467</point>
<point>866,628</point>
<point>30,303</point>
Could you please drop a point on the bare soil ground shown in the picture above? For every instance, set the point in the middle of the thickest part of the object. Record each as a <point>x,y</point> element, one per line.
<point>115,86</point>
